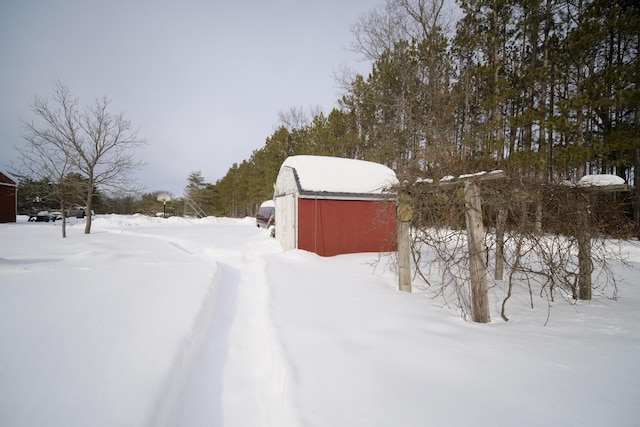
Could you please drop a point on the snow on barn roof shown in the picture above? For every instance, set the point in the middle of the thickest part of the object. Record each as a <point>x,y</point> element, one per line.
<point>340,175</point>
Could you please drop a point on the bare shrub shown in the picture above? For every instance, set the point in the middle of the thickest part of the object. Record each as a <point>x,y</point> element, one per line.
<point>543,240</point>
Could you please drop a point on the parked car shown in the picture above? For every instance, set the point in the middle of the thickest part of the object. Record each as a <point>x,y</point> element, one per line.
<point>266,217</point>
<point>40,216</point>
<point>76,212</point>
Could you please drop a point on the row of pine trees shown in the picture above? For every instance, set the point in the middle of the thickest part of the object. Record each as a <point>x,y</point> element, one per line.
<point>547,90</point>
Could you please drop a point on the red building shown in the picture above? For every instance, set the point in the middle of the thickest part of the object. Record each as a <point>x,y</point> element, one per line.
<point>333,206</point>
<point>8,198</point>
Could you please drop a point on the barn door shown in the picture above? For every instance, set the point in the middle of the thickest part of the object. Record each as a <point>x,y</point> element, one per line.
<point>286,221</point>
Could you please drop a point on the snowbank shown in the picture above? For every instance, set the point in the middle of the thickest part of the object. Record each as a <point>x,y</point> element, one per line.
<point>188,322</point>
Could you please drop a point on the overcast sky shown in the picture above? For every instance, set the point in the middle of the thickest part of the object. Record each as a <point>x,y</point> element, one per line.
<point>204,80</point>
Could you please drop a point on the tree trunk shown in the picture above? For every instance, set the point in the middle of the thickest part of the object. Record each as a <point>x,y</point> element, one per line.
<point>580,131</point>
<point>64,218</point>
<point>585,266</point>
<point>89,207</point>
<point>538,213</point>
<point>636,159</point>
<point>636,189</point>
<point>499,267</point>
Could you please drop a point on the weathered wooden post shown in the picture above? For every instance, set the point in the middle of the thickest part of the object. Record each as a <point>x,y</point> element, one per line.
<point>477,256</point>
<point>585,264</point>
<point>475,237</point>
<point>404,214</point>
<point>498,272</point>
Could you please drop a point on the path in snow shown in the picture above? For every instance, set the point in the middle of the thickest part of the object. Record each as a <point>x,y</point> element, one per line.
<point>240,376</point>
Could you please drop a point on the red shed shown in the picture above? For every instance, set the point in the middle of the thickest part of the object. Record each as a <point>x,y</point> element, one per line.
<point>8,198</point>
<point>333,206</point>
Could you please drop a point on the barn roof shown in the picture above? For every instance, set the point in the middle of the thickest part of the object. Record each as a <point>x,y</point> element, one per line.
<point>319,175</point>
<point>6,179</point>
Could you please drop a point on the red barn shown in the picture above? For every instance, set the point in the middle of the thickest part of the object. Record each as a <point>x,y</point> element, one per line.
<point>333,206</point>
<point>8,198</point>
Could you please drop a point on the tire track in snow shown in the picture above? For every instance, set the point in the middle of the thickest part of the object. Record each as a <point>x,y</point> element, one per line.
<point>192,394</point>
<point>258,379</point>
<point>213,317</point>
<point>240,377</point>
<point>178,247</point>
<point>201,400</point>
<point>232,370</point>
<point>185,359</point>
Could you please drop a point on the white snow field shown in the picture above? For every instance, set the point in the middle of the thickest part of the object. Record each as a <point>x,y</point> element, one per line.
<point>207,322</point>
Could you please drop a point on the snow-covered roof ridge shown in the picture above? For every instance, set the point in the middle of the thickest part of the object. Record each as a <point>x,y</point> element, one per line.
<point>340,175</point>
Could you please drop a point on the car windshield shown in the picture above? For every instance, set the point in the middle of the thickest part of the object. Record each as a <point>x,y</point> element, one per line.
<point>265,212</point>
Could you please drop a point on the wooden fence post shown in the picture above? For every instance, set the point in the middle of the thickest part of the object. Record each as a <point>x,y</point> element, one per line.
<point>404,214</point>
<point>477,266</point>
<point>585,264</point>
<point>498,272</point>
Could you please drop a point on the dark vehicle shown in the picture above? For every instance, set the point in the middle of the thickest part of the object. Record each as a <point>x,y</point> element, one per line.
<point>75,212</point>
<point>266,217</point>
<point>41,216</point>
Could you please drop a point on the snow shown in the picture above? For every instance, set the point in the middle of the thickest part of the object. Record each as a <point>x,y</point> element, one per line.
<point>268,204</point>
<point>600,180</point>
<point>340,175</point>
<point>190,322</point>
<point>424,180</point>
<point>473,175</point>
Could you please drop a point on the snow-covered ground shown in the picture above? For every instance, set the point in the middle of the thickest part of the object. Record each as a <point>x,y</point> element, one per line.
<point>185,322</point>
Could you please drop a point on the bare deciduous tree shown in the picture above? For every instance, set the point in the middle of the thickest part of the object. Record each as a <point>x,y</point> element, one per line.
<point>379,30</point>
<point>296,118</point>
<point>44,158</point>
<point>95,143</point>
